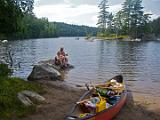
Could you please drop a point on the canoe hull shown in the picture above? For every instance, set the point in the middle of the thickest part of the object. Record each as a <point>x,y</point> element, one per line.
<point>113,111</point>
<point>106,114</point>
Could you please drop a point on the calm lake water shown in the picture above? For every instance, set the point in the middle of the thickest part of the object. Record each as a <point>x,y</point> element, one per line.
<point>138,62</point>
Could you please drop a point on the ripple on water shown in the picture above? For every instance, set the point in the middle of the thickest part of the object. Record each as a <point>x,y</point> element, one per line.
<point>95,61</point>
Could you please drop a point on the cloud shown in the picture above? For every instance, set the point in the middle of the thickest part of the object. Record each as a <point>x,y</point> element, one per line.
<point>67,1</point>
<point>74,2</point>
<point>81,14</point>
<point>115,8</point>
<point>152,15</point>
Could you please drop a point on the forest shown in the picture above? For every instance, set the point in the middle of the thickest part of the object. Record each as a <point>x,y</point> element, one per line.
<point>17,21</point>
<point>64,29</point>
<point>130,20</point>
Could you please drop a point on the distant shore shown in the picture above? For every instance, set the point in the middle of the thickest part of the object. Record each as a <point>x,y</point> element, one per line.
<point>147,37</point>
<point>61,97</point>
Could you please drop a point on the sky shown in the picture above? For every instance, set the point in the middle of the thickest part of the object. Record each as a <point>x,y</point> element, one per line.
<point>84,12</point>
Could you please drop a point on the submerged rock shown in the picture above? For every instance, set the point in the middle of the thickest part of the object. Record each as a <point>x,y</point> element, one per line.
<point>44,72</point>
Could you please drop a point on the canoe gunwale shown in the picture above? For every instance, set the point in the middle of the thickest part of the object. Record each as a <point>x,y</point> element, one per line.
<point>122,99</point>
<point>76,105</point>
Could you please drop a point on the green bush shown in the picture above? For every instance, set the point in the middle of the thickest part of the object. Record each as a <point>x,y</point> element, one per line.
<point>10,105</point>
<point>4,70</point>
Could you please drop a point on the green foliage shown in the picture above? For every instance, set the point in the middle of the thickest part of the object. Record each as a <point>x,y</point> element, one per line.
<point>4,70</point>
<point>64,29</point>
<point>26,6</point>
<point>119,24</point>
<point>110,27</point>
<point>17,21</point>
<point>103,17</point>
<point>112,36</point>
<point>33,27</point>
<point>10,106</point>
<point>10,17</point>
<point>12,13</point>
<point>130,20</point>
<point>154,27</point>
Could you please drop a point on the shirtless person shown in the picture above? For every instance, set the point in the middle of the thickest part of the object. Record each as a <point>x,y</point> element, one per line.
<point>61,58</point>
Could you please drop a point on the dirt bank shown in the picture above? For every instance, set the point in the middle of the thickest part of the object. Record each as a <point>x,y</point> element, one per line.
<point>60,98</point>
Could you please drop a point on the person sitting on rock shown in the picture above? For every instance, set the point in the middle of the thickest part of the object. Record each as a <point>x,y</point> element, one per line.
<point>57,59</point>
<point>61,58</point>
<point>66,60</point>
<point>61,51</point>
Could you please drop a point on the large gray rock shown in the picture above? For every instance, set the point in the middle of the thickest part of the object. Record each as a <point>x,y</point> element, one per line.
<point>44,72</point>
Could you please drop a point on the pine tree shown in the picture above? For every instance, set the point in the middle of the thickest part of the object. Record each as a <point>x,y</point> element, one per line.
<point>103,15</point>
<point>118,22</point>
<point>110,23</point>
<point>10,17</point>
<point>134,17</point>
<point>127,12</point>
<point>137,16</point>
<point>26,6</point>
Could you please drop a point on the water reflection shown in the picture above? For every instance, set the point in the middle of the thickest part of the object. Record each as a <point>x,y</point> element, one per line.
<point>130,58</point>
<point>105,59</point>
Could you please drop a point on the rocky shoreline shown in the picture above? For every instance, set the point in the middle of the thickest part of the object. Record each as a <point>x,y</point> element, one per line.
<point>59,100</point>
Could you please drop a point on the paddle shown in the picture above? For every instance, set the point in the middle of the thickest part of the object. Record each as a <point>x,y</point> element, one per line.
<point>83,101</point>
<point>102,86</point>
<point>105,86</point>
<point>110,88</point>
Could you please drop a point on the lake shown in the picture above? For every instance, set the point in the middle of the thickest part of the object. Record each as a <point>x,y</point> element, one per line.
<point>94,61</point>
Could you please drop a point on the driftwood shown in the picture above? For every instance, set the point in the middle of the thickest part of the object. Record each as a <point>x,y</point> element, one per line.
<point>25,96</point>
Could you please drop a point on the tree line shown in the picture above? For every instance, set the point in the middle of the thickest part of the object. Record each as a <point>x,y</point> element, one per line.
<point>17,21</point>
<point>130,20</point>
<point>155,27</point>
<point>64,29</point>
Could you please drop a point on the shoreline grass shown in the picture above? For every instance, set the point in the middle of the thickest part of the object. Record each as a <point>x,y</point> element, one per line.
<point>11,107</point>
<point>113,37</point>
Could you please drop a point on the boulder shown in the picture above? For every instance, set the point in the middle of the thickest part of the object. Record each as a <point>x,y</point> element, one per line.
<point>25,96</point>
<point>44,72</point>
<point>25,100</point>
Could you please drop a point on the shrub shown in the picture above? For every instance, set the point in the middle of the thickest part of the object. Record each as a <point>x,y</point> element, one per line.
<point>4,70</point>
